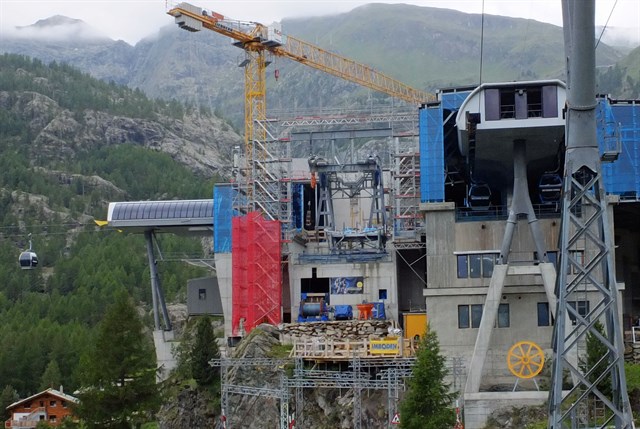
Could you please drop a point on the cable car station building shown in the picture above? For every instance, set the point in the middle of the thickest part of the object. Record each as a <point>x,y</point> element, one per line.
<point>464,226</point>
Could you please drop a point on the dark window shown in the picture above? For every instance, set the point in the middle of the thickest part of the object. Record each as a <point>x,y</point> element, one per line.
<point>544,318</point>
<point>476,315</point>
<point>202,294</point>
<point>553,258</point>
<point>41,417</point>
<point>52,418</point>
<point>507,104</point>
<point>64,404</point>
<point>463,316</point>
<point>27,405</point>
<point>534,103</point>
<point>503,316</point>
<point>582,308</point>
<point>42,403</point>
<point>475,266</point>
<point>382,294</point>
<point>52,403</point>
<point>463,266</point>
<point>488,261</point>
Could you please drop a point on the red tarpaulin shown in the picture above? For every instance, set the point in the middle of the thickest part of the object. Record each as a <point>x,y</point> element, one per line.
<point>256,277</point>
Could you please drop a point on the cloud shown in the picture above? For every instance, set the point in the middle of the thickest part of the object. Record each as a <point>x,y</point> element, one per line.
<point>56,28</point>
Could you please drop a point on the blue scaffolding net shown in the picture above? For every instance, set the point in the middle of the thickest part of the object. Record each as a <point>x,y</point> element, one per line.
<point>432,173</point>
<point>619,130</point>
<point>222,215</point>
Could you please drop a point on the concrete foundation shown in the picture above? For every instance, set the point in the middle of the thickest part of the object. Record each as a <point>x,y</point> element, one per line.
<point>478,406</point>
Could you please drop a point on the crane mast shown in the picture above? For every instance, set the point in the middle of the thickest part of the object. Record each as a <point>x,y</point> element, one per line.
<point>258,41</point>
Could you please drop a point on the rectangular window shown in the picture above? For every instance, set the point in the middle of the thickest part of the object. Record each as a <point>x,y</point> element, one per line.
<point>382,294</point>
<point>202,294</point>
<point>463,316</point>
<point>476,315</point>
<point>576,257</point>
<point>581,307</point>
<point>52,403</point>
<point>475,266</point>
<point>503,316</point>
<point>463,266</point>
<point>544,317</point>
<point>52,418</point>
<point>488,261</point>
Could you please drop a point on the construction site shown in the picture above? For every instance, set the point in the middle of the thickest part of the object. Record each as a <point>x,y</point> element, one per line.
<point>483,218</point>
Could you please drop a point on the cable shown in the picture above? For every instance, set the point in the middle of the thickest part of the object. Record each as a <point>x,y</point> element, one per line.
<point>606,23</point>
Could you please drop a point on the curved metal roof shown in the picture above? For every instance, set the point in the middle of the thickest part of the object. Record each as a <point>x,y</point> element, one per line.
<point>137,216</point>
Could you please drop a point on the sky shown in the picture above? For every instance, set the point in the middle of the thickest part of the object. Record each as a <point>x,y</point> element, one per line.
<point>132,20</point>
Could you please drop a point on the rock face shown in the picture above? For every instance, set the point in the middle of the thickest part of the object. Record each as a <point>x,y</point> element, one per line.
<point>203,143</point>
<point>341,330</point>
<point>192,408</point>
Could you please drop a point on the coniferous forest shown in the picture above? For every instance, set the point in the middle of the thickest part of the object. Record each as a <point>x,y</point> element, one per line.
<point>49,316</point>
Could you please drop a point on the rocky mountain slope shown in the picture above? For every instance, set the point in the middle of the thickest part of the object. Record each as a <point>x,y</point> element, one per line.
<point>428,48</point>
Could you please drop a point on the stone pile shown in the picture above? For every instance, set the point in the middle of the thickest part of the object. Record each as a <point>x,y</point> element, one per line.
<point>336,330</point>
<point>632,352</point>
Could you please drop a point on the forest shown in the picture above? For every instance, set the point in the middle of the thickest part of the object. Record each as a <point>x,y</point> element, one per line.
<point>49,315</point>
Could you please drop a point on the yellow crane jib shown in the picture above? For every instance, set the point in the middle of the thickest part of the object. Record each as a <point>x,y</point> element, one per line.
<point>258,37</point>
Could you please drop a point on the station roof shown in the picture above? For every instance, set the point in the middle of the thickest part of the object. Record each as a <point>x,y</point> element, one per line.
<point>185,216</point>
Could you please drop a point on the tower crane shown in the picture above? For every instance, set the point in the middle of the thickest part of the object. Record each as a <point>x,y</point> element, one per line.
<point>258,41</point>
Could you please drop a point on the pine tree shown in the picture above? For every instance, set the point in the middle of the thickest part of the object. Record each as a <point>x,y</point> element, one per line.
<point>118,375</point>
<point>427,403</point>
<point>7,397</point>
<point>204,349</point>
<point>595,350</point>
<point>51,377</point>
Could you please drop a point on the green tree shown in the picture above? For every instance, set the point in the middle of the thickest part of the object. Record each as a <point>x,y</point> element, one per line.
<point>427,403</point>
<point>595,350</point>
<point>51,377</point>
<point>118,374</point>
<point>7,397</point>
<point>204,349</point>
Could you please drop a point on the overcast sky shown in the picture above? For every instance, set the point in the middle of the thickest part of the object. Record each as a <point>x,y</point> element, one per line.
<point>131,20</point>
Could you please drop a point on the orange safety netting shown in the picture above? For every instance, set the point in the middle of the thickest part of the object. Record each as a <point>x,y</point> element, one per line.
<point>256,276</point>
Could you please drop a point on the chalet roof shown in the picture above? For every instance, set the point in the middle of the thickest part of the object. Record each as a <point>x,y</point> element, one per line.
<point>52,392</point>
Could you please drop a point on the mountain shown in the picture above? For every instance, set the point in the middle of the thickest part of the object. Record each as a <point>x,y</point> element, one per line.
<point>428,48</point>
<point>622,80</point>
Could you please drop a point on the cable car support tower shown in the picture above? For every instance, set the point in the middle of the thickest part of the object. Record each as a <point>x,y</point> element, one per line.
<point>585,252</point>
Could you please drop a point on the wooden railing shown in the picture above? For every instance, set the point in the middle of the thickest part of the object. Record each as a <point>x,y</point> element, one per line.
<point>29,422</point>
<point>325,348</point>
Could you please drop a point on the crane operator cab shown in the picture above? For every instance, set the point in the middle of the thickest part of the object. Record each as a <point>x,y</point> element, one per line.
<point>28,259</point>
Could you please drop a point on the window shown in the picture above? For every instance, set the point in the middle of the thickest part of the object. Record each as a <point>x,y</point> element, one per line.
<point>463,267</point>
<point>476,265</point>
<point>202,294</point>
<point>503,316</point>
<point>476,315</point>
<point>27,405</point>
<point>64,404</point>
<point>52,403</point>
<point>463,316</point>
<point>544,316</point>
<point>42,403</point>
<point>41,417</point>
<point>582,307</point>
<point>575,257</point>
<point>469,316</point>
<point>382,294</point>
<point>52,418</point>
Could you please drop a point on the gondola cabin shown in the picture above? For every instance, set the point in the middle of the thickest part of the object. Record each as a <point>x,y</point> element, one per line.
<point>28,260</point>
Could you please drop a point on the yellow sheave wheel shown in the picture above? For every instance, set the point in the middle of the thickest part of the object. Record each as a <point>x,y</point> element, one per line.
<point>525,359</point>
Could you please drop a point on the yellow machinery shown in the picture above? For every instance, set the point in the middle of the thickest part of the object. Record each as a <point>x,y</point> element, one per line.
<point>257,40</point>
<point>415,325</point>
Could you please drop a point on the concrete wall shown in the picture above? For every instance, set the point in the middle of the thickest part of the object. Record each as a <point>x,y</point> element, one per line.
<point>523,289</point>
<point>223,273</point>
<point>377,275</point>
